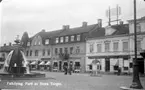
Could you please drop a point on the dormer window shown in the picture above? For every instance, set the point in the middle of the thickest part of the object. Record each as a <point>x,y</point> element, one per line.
<point>56,40</point>
<point>28,44</point>
<point>66,39</point>
<point>46,41</point>
<point>61,39</point>
<point>72,38</point>
<point>78,37</point>
<point>39,43</point>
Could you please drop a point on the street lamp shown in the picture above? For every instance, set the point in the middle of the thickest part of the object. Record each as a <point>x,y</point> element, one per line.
<point>136,81</point>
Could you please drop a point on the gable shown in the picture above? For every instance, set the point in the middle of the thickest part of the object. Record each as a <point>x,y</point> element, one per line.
<point>109,30</point>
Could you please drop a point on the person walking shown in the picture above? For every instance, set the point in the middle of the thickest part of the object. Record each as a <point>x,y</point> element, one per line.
<point>70,68</point>
<point>65,67</point>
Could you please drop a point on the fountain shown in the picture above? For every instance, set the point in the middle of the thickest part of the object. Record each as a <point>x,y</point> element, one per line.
<point>16,65</point>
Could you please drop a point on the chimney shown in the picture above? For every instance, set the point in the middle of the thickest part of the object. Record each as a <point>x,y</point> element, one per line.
<point>43,30</point>
<point>10,44</point>
<point>65,27</point>
<point>100,23</point>
<point>5,44</point>
<point>84,24</point>
<point>121,22</point>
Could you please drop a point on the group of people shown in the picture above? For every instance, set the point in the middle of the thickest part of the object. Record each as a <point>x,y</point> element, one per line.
<point>68,69</point>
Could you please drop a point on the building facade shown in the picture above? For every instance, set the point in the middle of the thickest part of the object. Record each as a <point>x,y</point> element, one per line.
<point>114,46</point>
<point>47,47</point>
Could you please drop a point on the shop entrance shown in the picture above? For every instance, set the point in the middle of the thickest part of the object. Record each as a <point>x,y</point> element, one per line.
<point>107,64</point>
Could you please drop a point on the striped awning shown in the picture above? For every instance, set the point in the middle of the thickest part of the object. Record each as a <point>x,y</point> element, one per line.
<point>33,63</point>
<point>48,63</point>
<point>42,63</point>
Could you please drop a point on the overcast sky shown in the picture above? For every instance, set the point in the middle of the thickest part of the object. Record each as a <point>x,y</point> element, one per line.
<point>18,16</point>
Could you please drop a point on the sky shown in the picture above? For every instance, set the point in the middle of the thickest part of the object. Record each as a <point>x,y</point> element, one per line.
<point>19,16</point>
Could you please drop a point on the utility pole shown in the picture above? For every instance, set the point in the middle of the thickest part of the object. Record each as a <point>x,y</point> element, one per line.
<point>136,81</point>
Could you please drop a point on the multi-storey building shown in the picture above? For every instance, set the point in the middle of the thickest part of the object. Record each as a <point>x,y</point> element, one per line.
<point>47,47</point>
<point>140,29</point>
<point>114,46</point>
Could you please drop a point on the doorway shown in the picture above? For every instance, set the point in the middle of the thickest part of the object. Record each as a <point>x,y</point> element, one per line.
<point>60,65</point>
<point>107,64</point>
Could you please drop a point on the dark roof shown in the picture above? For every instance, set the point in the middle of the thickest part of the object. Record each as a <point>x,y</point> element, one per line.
<point>100,32</point>
<point>77,30</point>
<point>121,29</point>
<point>44,35</point>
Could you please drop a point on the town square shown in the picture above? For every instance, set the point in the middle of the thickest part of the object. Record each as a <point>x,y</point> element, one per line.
<point>43,46</point>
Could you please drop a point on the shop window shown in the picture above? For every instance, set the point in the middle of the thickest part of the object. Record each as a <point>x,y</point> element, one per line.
<point>125,68</point>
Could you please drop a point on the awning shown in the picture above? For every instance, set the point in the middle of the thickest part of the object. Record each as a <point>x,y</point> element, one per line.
<point>48,63</point>
<point>33,63</point>
<point>117,63</point>
<point>42,63</point>
<point>95,61</point>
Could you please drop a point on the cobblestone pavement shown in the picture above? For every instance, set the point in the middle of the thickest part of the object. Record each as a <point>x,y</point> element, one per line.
<point>72,82</point>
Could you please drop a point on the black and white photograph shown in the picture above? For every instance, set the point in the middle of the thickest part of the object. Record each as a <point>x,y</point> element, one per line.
<point>72,44</point>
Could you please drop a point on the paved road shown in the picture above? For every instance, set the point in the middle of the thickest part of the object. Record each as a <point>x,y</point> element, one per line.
<point>72,82</point>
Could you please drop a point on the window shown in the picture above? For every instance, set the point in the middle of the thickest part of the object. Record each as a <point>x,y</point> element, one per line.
<point>78,37</point>
<point>99,48</point>
<point>46,41</point>
<point>72,38</point>
<point>71,50</point>
<point>35,43</point>
<point>27,53</point>
<point>60,50</point>
<point>139,46</point>
<point>125,46</point>
<point>65,50</point>
<point>30,52</point>
<point>107,47</point>
<point>78,49</point>
<point>56,40</point>
<point>48,52</point>
<point>56,51</point>
<point>91,48</point>
<point>138,28</point>
<point>36,52</point>
<point>61,39</point>
<point>115,46</point>
<point>39,43</point>
<point>43,52</point>
<point>28,44</point>
<point>66,39</point>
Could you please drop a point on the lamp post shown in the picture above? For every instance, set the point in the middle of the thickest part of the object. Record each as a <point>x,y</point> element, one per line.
<point>136,81</point>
